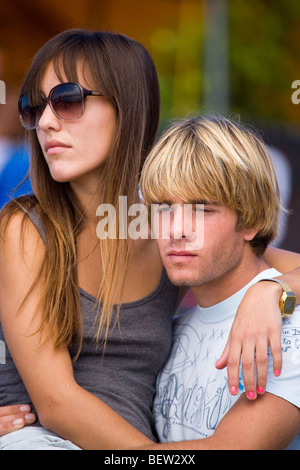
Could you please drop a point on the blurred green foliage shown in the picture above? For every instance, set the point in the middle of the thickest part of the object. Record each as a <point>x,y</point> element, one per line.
<point>264,58</point>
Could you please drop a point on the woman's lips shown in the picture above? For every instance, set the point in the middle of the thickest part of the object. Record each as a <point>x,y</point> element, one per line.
<point>54,146</point>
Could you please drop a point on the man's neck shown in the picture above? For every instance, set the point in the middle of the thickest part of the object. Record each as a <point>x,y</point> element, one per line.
<point>223,287</point>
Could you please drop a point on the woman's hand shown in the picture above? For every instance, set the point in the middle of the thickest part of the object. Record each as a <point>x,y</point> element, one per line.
<point>257,326</point>
<point>15,417</point>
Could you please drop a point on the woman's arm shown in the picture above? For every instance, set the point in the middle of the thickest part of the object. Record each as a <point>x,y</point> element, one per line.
<point>62,406</point>
<point>282,260</point>
<point>257,325</point>
<point>288,264</point>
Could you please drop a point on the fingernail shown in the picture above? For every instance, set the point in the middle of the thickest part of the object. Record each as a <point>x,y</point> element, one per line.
<point>233,390</point>
<point>277,372</point>
<point>30,417</point>
<point>25,408</point>
<point>18,422</point>
<point>251,395</point>
<point>260,390</point>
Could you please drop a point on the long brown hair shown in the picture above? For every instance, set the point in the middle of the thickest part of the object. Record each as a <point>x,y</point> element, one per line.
<point>124,72</point>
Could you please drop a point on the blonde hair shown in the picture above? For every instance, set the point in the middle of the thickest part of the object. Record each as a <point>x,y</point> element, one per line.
<point>213,158</point>
<point>122,69</point>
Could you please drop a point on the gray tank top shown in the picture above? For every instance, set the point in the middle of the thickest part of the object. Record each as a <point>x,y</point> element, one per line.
<point>124,375</point>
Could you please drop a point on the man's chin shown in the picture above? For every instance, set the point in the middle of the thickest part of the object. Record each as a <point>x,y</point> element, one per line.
<point>182,282</point>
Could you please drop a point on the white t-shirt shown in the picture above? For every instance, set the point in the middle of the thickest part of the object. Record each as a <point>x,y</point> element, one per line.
<point>192,395</point>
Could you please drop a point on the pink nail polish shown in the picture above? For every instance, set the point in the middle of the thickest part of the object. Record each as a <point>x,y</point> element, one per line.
<point>251,395</point>
<point>260,390</point>
<point>233,390</point>
<point>277,372</point>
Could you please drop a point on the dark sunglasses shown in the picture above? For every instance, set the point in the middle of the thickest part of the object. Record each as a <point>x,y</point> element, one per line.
<point>66,100</point>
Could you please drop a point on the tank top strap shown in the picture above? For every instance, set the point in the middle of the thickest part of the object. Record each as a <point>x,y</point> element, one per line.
<point>37,222</point>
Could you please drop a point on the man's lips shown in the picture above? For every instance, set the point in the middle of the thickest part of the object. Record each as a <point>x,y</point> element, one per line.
<point>181,256</point>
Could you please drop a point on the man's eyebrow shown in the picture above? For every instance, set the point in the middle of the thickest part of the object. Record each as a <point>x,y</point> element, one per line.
<point>206,202</point>
<point>165,201</point>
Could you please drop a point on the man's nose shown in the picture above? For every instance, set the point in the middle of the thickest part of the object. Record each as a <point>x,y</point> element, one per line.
<point>181,222</point>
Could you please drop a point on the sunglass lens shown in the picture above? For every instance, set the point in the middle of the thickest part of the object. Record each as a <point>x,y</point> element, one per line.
<point>67,101</point>
<point>30,115</point>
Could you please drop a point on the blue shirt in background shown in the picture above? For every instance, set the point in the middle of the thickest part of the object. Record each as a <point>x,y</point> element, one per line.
<point>13,173</point>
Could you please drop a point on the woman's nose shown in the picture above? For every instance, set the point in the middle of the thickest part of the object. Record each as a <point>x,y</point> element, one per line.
<point>48,119</point>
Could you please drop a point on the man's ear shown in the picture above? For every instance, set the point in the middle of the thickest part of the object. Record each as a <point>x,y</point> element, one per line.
<point>249,234</point>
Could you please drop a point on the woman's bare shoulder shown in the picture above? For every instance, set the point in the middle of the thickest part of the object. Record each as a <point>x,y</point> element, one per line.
<point>19,237</point>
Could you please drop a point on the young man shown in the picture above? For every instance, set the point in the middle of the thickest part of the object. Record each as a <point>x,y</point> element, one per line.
<point>223,170</point>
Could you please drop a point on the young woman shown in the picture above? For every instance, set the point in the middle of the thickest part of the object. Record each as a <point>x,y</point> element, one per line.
<point>87,322</point>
